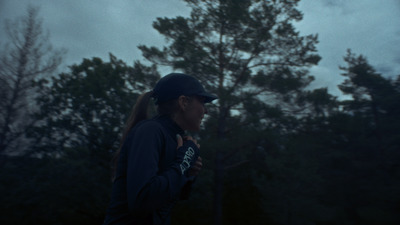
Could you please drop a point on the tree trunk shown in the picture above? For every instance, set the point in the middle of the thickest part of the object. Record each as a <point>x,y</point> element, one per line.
<point>219,171</point>
<point>218,182</point>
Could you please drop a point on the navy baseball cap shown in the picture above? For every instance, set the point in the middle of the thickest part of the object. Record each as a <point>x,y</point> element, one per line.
<point>174,85</point>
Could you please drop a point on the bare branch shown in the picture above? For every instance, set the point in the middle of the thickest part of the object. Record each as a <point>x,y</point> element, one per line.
<point>27,56</point>
<point>236,165</point>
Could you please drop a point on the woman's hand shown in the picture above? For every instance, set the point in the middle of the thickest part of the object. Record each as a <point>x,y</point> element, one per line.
<point>198,164</point>
<point>186,138</point>
<point>196,167</point>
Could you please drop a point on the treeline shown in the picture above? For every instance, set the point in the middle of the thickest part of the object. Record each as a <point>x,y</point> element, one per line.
<point>273,151</point>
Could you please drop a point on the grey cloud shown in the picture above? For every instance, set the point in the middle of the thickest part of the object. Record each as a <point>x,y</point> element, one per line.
<point>95,28</point>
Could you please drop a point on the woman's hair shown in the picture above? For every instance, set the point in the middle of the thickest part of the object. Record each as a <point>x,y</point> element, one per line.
<point>140,111</point>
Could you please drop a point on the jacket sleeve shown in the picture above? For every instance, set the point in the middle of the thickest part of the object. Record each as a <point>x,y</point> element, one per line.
<point>186,189</point>
<point>148,190</point>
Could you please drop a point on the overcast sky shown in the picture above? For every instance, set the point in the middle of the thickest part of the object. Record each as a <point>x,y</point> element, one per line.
<point>89,28</point>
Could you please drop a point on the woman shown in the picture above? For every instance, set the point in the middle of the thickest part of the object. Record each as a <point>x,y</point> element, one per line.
<point>157,163</point>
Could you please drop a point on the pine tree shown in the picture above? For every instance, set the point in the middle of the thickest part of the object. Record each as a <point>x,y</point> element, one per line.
<point>246,52</point>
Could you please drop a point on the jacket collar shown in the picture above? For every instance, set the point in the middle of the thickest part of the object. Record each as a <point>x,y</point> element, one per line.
<point>169,124</point>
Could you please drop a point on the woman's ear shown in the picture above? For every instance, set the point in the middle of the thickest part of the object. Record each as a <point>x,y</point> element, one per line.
<point>183,102</point>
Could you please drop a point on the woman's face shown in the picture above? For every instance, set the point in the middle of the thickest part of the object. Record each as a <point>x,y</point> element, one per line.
<point>193,113</point>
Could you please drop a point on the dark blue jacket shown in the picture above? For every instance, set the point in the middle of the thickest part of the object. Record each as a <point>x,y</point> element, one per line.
<point>149,179</point>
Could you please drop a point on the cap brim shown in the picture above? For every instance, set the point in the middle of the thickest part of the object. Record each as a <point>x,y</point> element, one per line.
<point>208,97</point>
